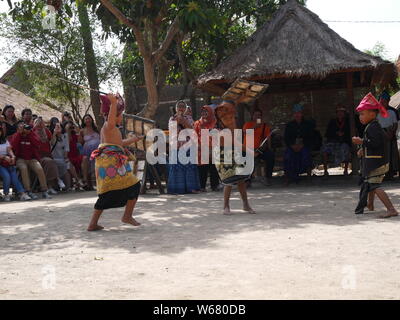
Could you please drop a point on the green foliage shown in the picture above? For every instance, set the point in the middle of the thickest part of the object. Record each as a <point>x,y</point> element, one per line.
<point>378,50</point>
<point>55,53</point>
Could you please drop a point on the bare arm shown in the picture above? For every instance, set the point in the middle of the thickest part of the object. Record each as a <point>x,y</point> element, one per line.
<point>130,140</point>
<point>112,115</point>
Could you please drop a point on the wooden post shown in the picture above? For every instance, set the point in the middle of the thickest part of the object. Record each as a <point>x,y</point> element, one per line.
<point>350,103</point>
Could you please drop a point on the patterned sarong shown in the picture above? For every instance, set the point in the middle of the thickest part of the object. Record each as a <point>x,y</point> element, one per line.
<point>113,171</point>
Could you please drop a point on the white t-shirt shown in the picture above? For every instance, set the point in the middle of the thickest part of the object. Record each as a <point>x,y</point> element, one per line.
<point>389,121</point>
<point>3,148</point>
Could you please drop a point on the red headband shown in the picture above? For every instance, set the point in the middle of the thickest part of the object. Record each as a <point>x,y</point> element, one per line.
<point>369,102</point>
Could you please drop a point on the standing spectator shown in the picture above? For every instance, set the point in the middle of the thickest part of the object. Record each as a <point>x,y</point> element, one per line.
<point>10,120</point>
<point>261,131</point>
<point>389,126</point>
<point>49,166</point>
<point>24,144</point>
<point>182,178</point>
<point>338,141</point>
<point>8,172</point>
<point>299,139</point>
<point>90,138</point>
<point>26,115</point>
<point>80,162</point>
<point>65,117</point>
<point>206,122</point>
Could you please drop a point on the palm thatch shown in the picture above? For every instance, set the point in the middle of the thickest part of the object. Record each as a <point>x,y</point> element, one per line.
<point>20,101</point>
<point>295,43</point>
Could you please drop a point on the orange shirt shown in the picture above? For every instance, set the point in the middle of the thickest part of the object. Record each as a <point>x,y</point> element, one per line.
<point>259,135</point>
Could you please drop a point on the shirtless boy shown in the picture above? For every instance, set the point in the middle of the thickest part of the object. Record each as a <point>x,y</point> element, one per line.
<point>116,185</point>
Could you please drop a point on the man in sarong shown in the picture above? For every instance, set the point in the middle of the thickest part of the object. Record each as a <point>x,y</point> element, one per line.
<point>116,185</point>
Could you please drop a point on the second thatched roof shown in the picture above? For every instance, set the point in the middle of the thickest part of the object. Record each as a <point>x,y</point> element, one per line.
<point>296,43</point>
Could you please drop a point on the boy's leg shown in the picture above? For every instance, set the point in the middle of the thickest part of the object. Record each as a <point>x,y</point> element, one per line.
<point>227,195</point>
<point>382,195</point>
<point>371,198</point>
<point>127,217</point>
<point>243,194</point>
<point>93,225</point>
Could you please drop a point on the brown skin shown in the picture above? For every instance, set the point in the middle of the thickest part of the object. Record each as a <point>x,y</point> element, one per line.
<point>111,134</point>
<point>366,116</point>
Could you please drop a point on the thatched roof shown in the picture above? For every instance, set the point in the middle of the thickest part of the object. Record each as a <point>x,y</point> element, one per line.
<point>20,101</point>
<point>295,43</point>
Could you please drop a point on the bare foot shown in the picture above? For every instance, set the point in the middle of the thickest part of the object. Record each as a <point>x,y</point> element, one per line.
<point>95,228</point>
<point>249,210</point>
<point>130,221</point>
<point>227,211</point>
<point>390,213</point>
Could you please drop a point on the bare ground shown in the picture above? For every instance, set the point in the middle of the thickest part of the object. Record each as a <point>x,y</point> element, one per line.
<point>304,243</point>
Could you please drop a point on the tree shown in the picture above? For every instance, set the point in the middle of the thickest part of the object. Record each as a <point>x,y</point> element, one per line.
<point>209,25</point>
<point>378,50</point>
<point>59,52</point>
<point>90,59</point>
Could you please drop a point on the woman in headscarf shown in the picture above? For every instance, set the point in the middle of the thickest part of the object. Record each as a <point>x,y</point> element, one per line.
<point>182,178</point>
<point>206,122</point>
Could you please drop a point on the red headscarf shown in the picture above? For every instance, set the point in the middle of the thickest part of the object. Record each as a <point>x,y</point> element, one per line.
<point>210,121</point>
<point>370,103</point>
<point>106,104</point>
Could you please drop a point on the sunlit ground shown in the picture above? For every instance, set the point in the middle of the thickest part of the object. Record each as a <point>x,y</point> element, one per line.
<point>304,242</point>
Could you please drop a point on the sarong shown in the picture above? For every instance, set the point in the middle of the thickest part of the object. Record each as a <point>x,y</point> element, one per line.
<point>297,162</point>
<point>369,184</point>
<point>183,178</point>
<point>116,183</point>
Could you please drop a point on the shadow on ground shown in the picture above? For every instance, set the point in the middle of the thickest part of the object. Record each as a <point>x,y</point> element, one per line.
<point>172,224</point>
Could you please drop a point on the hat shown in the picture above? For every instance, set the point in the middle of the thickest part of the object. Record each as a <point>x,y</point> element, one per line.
<point>369,102</point>
<point>298,108</point>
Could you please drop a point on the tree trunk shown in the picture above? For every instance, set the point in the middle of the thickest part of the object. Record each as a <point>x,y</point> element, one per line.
<point>150,109</point>
<point>90,59</point>
<point>131,102</point>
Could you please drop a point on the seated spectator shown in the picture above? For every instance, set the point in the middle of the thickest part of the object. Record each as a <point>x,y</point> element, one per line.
<point>49,166</point>
<point>26,115</point>
<point>299,139</point>
<point>60,149</point>
<point>8,171</point>
<point>79,161</point>
<point>90,137</point>
<point>338,141</point>
<point>24,144</point>
<point>10,120</point>
<point>261,131</point>
<point>65,117</point>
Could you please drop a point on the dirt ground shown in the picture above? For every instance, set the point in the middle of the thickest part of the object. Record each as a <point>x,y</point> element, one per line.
<point>304,243</point>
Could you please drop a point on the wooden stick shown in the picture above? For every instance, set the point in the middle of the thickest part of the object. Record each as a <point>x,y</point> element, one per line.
<point>83,87</point>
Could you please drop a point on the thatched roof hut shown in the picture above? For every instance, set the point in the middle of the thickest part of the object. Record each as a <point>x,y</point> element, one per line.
<point>296,51</point>
<point>20,101</point>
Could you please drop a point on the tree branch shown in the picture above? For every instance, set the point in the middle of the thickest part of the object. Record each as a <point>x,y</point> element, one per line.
<point>172,31</point>
<point>129,23</point>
